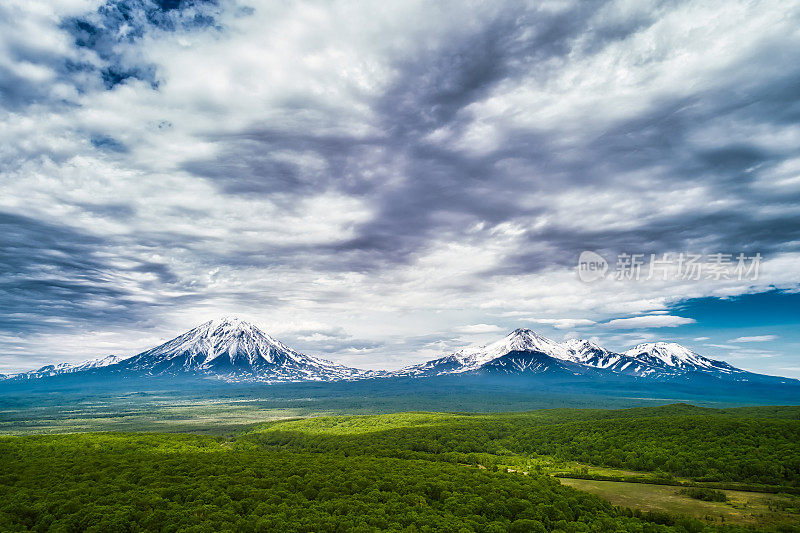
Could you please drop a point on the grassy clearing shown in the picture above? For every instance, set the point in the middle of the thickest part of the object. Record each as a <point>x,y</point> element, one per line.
<point>369,424</point>
<point>743,508</point>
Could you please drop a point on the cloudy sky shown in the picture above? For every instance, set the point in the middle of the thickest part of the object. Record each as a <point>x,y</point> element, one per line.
<point>379,183</point>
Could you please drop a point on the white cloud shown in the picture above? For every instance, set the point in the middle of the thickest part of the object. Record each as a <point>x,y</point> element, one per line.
<point>649,321</point>
<point>562,323</point>
<point>755,338</point>
<point>722,346</point>
<point>317,337</point>
<point>479,329</point>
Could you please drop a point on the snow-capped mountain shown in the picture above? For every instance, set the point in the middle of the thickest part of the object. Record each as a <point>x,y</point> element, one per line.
<point>68,368</point>
<point>525,351</point>
<point>234,350</point>
<point>476,356</point>
<point>670,357</point>
<point>228,348</point>
<point>494,356</point>
<point>649,359</point>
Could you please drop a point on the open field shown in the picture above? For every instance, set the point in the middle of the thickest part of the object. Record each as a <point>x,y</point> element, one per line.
<point>743,508</point>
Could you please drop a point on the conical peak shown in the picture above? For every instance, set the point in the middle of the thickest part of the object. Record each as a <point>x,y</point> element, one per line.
<point>525,334</point>
<point>521,339</point>
<point>230,325</point>
<point>230,321</point>
<point>525,337</point>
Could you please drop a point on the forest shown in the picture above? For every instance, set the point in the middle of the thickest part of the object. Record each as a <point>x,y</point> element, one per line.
<point>399,472</point>
<point>680,440</point>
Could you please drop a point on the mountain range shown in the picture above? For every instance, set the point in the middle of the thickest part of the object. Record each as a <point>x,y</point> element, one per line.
<point>233,350</point>
<point>526,352</point>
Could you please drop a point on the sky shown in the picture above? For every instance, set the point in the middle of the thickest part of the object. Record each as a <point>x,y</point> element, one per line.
<point>380,183</point>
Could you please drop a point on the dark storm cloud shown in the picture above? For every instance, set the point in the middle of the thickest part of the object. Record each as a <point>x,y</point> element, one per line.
<point>482,128</point>
<point>662,142</point>
<point>447,190</point>
<point>248,162</point>
<point>725,232</point>
<point>437,84</point>
<point>118,211</point>
<point>52,274</point>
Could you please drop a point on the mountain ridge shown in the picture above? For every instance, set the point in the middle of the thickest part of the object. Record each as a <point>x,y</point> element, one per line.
<point>227,348</point>
<point>660,360</point>
<point>231,349</point>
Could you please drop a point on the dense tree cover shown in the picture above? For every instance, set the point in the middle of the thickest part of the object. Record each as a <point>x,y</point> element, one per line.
<point>402,472</point>
<point>706,448</point>
<point>715,446</point>
<point>180,483</point>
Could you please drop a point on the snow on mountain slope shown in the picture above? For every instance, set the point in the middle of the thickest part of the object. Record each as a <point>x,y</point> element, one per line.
<point>646,360</point>
<point>67,368</point>
<point>519,340</point>
<point>98,363</point>
<point>650,359</point>
<point>235,350</point>
<point>587,352</point>
<point>672,358</point>
<point>228,348</point>
<point>477,356</point>
<point>227,340</point>
<point>535,362</point>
